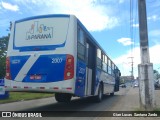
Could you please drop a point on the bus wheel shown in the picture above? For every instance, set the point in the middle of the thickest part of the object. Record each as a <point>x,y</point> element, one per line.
<point>98,98</point>
<point>112,94</point>
<point>63,97</point>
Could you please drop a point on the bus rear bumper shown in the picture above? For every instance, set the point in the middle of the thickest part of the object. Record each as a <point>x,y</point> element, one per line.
<point>54,87</point>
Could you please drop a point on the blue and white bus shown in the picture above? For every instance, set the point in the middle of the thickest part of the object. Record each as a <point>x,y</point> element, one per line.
<point>56,53</point>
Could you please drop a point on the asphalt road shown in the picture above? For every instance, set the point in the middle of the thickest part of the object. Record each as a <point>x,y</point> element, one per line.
<point>77,104</point>
<point>119,102</point>
<point>127,99</point>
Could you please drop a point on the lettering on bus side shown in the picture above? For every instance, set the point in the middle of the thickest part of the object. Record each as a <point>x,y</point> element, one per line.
<point>81,70</point>
<point>57,60</point>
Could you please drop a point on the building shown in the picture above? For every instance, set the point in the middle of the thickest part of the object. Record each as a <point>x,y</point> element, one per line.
<point>126,79</point>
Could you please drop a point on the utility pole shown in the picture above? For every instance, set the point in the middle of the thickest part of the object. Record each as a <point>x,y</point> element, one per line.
<point>132,75</point>
<point>145,69</point>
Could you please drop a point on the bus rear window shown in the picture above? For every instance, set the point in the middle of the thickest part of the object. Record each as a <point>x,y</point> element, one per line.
<point>41,32</point>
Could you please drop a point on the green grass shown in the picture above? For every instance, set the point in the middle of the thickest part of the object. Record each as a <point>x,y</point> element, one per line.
<point>21,96</point>
<point>157,109</point>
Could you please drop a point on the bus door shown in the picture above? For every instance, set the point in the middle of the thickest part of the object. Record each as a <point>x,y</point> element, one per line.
<point>90,70</point>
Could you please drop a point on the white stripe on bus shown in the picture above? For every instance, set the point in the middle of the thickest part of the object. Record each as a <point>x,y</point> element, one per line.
<point>26,67</point>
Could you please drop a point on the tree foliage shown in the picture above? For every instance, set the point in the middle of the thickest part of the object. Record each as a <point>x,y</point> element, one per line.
<point>3,51</point>
<point>156,74</point>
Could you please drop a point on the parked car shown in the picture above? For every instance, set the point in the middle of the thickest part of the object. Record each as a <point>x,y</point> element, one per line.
<point>123,85</point>
<point>136,85</point>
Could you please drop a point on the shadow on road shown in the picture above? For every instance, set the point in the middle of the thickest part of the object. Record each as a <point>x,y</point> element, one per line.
<point>83,104</point>
<point>85,107</point>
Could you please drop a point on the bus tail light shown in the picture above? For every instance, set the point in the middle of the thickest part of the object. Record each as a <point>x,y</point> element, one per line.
<point>69,67</point>
<point>8,74</point>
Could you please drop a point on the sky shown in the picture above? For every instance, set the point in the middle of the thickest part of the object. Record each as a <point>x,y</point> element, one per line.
<point>113,23</point>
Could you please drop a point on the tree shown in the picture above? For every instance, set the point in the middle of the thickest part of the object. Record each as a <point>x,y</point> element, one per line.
<point>156,74</point>
<point>3,51</point>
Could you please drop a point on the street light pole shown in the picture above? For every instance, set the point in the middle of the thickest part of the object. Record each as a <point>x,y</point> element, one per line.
<point>145,69</point>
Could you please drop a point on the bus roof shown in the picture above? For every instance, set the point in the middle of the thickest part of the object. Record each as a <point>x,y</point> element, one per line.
<point>44,16</point>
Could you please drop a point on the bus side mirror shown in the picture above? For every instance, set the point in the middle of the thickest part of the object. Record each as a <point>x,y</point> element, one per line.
<point>119,74</point>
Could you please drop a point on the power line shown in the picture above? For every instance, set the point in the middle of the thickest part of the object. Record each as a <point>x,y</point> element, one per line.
<point>133,29</point>
<point>131,35</point>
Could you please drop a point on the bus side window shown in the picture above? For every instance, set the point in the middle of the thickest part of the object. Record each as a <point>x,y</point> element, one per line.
<point>113,73</point>
<point>81,44</point>
<point>109,67</point>
<point>87,52</point>
<point>80,36</point>
<point>106,59</point>
<point>99,60</point>
<point>104,65</point>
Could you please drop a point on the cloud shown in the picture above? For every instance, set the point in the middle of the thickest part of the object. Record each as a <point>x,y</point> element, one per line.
<point>154,18</point>
<point>95,16</point>
<point>125,41</point>
<point>135,25</point>
<point>121,1</point>
<point>124,63</point>
<point>9,6</point>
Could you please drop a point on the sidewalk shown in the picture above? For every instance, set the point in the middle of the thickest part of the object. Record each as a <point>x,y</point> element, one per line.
<point>130,102</point>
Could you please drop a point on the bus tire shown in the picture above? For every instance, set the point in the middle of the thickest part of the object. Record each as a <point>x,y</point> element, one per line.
<point>112,94</point>
<point>63,97</point>
<point>99,97</point>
